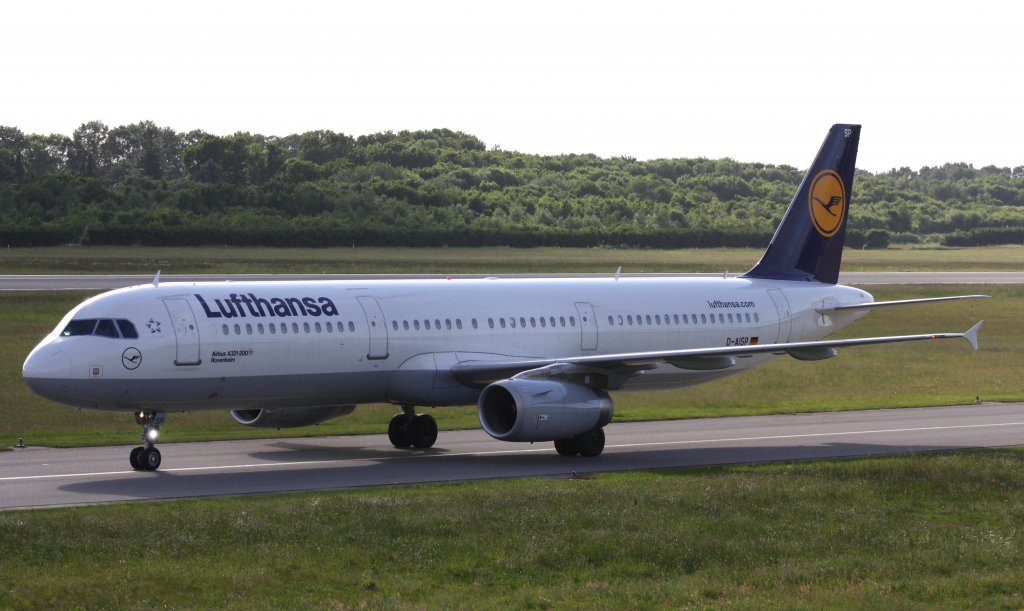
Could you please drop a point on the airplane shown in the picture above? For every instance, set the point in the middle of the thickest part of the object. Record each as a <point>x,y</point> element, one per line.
<point>537,356</point>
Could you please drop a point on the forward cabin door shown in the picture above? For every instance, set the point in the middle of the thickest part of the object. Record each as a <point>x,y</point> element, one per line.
<point>186,331</point>
<point>378,328</point>
<point>588,326</point>
<point>785,319</point>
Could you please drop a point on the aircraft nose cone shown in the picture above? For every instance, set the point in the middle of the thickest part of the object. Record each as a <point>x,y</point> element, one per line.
<point>46,363</point>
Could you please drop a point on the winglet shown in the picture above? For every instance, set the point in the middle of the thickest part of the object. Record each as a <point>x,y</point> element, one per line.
<point>972,335</point>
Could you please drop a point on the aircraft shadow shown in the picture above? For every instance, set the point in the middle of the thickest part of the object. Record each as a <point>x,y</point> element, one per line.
<point>441,467</point>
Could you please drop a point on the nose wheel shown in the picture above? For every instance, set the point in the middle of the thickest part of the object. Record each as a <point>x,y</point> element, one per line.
<point>146,457</point>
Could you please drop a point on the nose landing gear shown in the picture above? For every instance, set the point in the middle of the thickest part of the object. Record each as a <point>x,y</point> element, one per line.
<point>146,457</point>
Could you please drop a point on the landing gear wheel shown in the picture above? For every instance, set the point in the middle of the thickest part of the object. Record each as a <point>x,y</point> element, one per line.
<point>146,457</point>
<point>397,431</point>
<point>133,458</point>
<point>590,443</point>
<point>422,430</point>
<point>566,447</point>
<point>150,459</point>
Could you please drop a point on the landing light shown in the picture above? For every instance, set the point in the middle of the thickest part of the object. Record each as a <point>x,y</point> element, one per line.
<point>152,434</point>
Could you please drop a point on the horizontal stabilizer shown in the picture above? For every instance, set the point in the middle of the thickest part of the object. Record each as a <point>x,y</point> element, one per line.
<point>901,302</point>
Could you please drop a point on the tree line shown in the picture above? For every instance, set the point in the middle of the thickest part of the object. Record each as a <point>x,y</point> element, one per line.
<point>145,184</point>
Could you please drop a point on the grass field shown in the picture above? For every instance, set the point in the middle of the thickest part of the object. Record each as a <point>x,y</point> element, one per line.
<point>913,532</point>
<point>237,260</point>
<point>901,375</point>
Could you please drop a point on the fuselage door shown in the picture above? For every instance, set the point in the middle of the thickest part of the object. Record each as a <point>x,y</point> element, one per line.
<point>588,326</point>
<point>785,318</point>
<point>378,329</point>
<point>186,331</point>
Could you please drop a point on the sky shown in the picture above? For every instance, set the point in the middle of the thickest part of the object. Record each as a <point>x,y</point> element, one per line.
<point>931,83</point>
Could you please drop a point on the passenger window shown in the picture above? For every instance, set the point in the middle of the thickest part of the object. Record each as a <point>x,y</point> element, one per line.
<point>405,325</point>
<point>458,323</point>
<point>620,319</point>
<point>273,328</point>
<point>305,327</point>
<point>474,323</point>
<point>284,329</point>
<point>351,326</point>
<point>533,322</point>
<point>330,327</point>
<point>416,324</point>
<point>490,323</point>
<point>542,322</point>
<point>748,316</point>
<point>437,324</point>
<point>611,321</point>
<point>572,321</point>
<point>703,319</point>
<point>426,324</point>
<point>756,317</point>
<point>561,321</point>
<point>629,319</point>
<point>238,329</point>
<point>648,319</point>
<point>259,328</point>
<point>248,328</point>
<point>552,321</point>
<point>224,328</point>
<point>295,327</point>
<point>522,322</point>
<point>675,318</point>
<point>502,321</point>
<point>730,317</point>
<point>512,322</point>
<point>448,323</point>
<point>721,318</point>
<point>639,320</point>
<point>657,319</point>
<point>394,325</point>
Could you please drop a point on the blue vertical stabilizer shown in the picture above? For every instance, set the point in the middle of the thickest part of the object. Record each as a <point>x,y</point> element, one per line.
<point>808,244</point>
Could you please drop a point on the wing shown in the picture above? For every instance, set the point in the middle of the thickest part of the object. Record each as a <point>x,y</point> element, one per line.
<point>620,367</point>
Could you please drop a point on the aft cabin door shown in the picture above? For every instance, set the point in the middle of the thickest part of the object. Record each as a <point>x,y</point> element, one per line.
<point>378,329</point>
<point>186,331</point>
<point>785,318</point>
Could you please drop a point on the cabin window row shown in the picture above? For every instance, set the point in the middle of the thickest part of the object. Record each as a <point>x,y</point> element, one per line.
<point>510,322</point>
<point>654,320</point>
<point>286,328</point>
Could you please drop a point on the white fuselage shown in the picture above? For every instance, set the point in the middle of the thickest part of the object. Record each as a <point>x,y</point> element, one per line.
<point>240,345</point>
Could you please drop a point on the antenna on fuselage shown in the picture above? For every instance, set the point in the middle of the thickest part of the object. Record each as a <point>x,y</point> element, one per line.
<point>156,278</point>
<point>617,273</point>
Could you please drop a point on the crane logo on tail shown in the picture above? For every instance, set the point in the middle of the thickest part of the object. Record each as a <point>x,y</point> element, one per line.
<point>828,202</point>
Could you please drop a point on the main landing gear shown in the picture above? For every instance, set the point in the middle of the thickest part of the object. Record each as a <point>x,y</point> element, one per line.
<point>146,457</point>
<point>590,443</point>
<point>412,429</point>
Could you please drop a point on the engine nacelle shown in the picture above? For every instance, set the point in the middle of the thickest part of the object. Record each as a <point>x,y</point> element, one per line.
<point>289,417</point>
<point>541,410</point>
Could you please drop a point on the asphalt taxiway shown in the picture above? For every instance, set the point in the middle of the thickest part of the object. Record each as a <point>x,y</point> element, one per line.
<point>44,477</point>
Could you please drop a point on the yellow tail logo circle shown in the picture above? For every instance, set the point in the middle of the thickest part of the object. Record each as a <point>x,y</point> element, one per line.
<point>828,202</point>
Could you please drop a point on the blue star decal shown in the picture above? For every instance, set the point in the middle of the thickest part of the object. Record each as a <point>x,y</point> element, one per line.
<point>154,326</point>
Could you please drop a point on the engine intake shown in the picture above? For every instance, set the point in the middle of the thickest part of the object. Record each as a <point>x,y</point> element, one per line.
<point>541,410</point>
<point>289,417</point>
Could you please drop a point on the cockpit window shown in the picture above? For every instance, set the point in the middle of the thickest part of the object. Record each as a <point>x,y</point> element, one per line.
<point>127,329</point>
<point>103,327</point>
<point>79,327</point>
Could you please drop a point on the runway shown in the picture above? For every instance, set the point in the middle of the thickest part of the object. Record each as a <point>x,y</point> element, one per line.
<point>106,282</point>
<point>44,477</point>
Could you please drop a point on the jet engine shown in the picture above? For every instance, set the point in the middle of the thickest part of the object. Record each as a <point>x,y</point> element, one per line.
<point>289,417</point>
<point>541,410</point>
